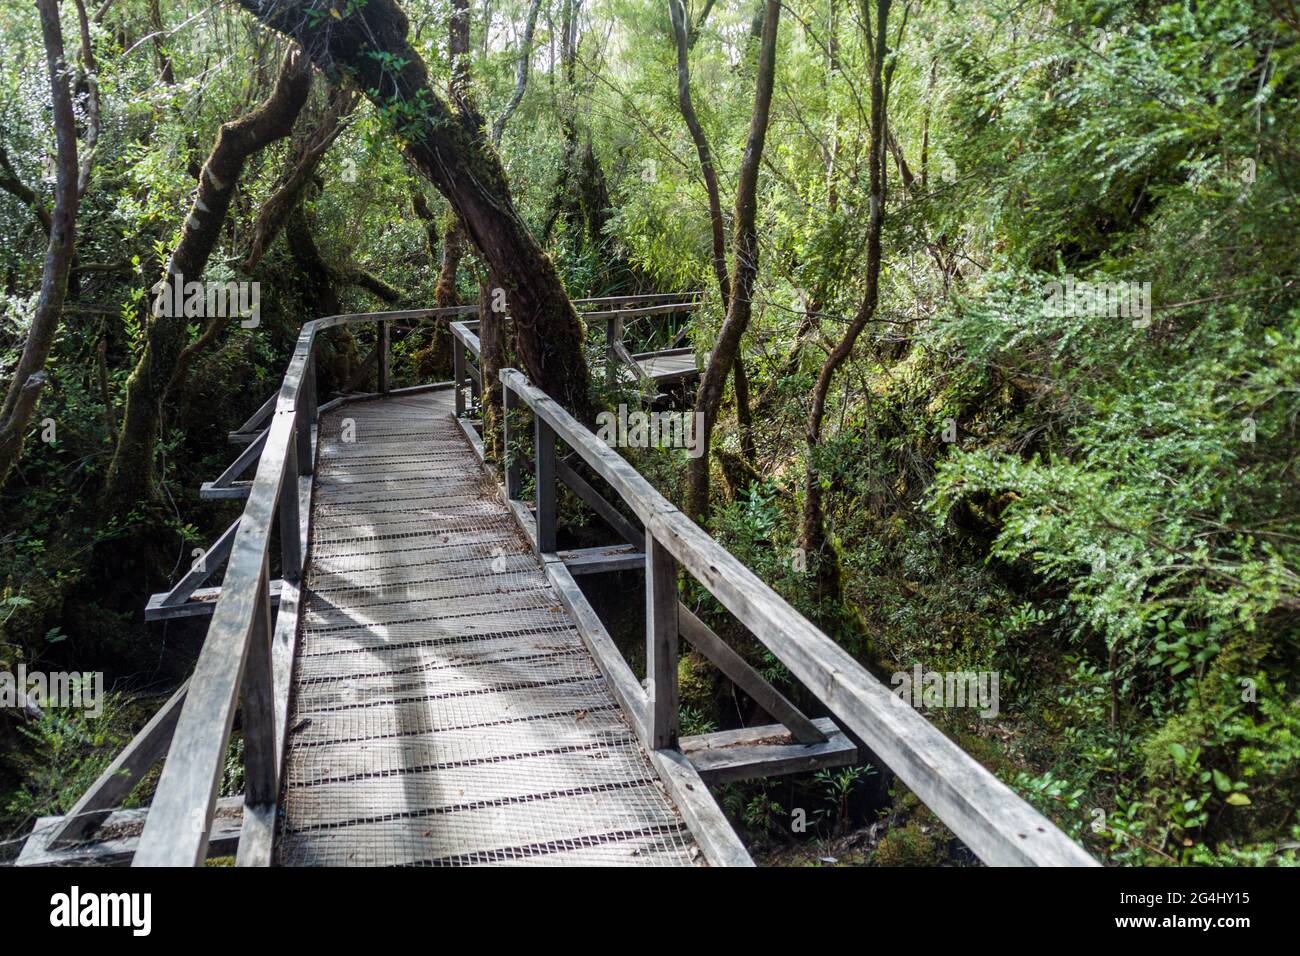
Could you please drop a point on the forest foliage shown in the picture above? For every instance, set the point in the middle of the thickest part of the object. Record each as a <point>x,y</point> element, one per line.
<point>1093,493</point>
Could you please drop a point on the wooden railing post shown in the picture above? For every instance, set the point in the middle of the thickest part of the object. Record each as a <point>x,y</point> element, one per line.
<point>544,457</point>
<point>613,337</point>
<point>306,408</point>
<point>510,405</point>
<point>458,372</point>
<point>258,718</point>
<point>290,527</point>
<point>257,710</point>
<point>661,632</point>
<point>385,334</point>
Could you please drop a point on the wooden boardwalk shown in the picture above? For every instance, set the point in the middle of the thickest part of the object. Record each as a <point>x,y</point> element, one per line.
<point>425,683</point>
<point>445,710</point>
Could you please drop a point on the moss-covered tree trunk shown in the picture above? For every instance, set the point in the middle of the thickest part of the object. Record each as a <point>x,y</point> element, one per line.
<point>449,147</point>
<point>130,475</point>
<point>453,236</point>
<point>29,376</point>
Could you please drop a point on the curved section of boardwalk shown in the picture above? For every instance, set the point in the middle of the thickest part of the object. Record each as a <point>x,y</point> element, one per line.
<point>445,710</point>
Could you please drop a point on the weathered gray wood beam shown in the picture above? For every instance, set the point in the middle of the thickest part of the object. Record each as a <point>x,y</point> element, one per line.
<point>257,713</point>
<point>211,491</point>
<point>475,441</point>
<point>417,389</point>
<point>628,484</point>
<point>120,777</point>
<point>661,632</point>
<point>510,413</point>
<point>200,603</point>
<point>736,669</point>
<point>523,515</point>
<point>243,461</point>
<point>705,819</point>
<point>257,846</point>
<point>458,376</point>
<point>187,788</point>
<point>767,751</point>
<point>663,352</point>
<point>638,311</point>
<point>597,503</point>
<point>627,690</point>
<point>123,829</point>
<point>615,557</point>
<point>204,568</point>
<point>254,426</point>
<point>998,826</point>
<point>544,485</point>
<point>710,826</point>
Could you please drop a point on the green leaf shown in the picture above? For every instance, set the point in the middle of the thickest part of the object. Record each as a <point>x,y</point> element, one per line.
<point>1178,752</point>
<point>1222,781</point>
<point>1238,799</point>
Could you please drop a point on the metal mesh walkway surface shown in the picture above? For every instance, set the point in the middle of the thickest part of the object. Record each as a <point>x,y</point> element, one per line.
<point>445,710</point>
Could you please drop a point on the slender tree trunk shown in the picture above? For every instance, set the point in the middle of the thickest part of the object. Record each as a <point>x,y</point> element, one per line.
<point>522,64</point>
<point>677,13</point>
<point>814,303</point>
<point>813,535</point>
<point>684,103</point>
<point>130,475</point>
<point>744,267</point>
<point>29,376</point>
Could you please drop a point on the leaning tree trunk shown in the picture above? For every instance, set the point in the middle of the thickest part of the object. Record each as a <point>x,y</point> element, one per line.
<point>370,46</point>
<point>744,268</point>
<point>29,376</point>
<point>130,475</point>
<point>813,534</point>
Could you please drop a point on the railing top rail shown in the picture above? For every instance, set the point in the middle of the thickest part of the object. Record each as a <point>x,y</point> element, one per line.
<point>632,312</point>
<point>643,298</point>
<point>461,332</point>
<point>1000,827</point>
<point>641,310</point>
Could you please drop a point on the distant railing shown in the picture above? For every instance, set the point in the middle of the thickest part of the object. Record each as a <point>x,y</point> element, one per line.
<point>988,816</point>
<point>618,312</point>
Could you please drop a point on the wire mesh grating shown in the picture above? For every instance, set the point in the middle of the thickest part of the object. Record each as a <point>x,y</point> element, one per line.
<point>445,710</point>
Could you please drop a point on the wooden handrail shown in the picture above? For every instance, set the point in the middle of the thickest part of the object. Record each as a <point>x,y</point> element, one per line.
<point>465,339</point>
<point>997,825</point>
<point>236,658</point>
